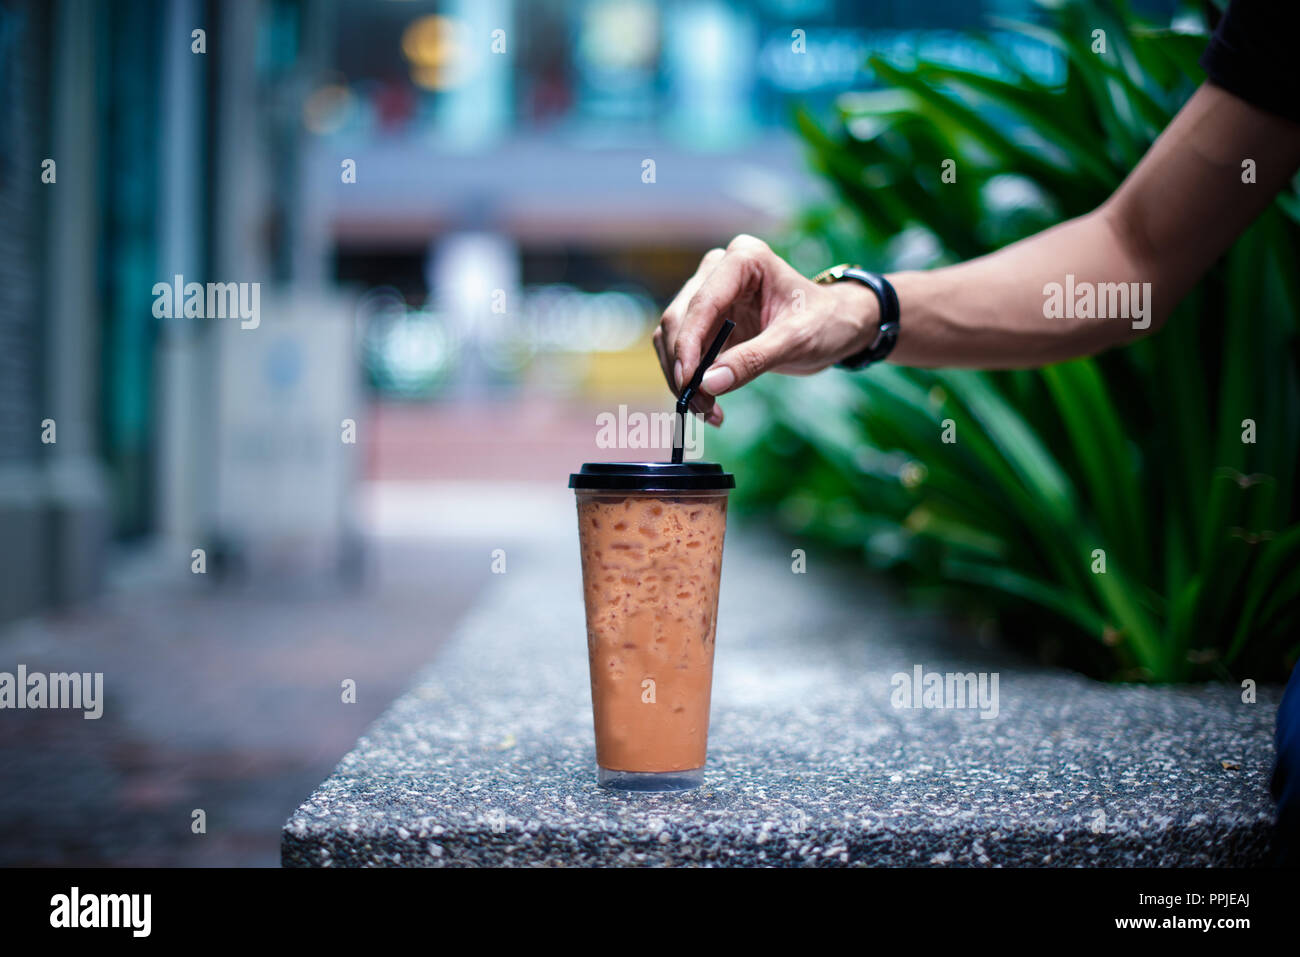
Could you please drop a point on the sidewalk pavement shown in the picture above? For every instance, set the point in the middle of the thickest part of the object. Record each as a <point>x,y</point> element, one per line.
<point>225,698</point>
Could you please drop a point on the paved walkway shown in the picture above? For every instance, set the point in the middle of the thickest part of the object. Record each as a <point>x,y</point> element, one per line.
<point>221,698</point>
<point>227,698</point>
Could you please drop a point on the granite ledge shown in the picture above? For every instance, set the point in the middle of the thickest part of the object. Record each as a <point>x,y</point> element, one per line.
<point>488,759</point>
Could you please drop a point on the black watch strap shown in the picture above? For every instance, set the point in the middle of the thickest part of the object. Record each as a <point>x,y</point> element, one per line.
<point>887,330</point>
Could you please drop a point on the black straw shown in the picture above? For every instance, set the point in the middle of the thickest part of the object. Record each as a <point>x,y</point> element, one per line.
<point>684,400</point>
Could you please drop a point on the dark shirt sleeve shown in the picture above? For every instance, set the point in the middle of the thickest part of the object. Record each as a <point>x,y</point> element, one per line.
<point>1253,55</point>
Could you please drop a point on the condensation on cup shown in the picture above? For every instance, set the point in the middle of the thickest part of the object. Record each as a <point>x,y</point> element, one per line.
<point>651,537</point>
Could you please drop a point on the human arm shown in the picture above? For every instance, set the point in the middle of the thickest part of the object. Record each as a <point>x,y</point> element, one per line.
<point>1176,213</point>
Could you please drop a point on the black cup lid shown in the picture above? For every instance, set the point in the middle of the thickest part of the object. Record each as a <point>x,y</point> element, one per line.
<point>652,476</point>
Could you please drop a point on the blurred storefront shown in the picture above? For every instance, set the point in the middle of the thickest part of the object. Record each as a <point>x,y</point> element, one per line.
<point>496,198</point>
<point>141,142</point>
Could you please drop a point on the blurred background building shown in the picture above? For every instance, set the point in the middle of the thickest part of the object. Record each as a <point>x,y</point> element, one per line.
<point>464,218</point>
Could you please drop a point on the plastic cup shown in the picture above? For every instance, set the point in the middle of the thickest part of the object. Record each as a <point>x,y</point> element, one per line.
<point>651,538</point>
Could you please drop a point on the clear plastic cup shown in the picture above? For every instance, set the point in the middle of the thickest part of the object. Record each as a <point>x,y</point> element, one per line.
<point>651,537</point>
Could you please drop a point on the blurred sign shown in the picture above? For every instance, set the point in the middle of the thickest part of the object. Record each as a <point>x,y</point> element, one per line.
<point>289,417</point>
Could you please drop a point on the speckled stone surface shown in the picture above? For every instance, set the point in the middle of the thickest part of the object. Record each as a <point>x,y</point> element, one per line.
<point>489,759</point>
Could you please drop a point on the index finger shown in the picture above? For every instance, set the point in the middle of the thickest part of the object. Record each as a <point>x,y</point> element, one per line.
<point>704,313</point>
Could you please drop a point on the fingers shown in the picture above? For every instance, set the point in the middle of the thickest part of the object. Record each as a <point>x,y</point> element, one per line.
<point>700,402</point>
<point>743,363</point>
<point>736,274</point>
<point>695,314</point>
<point>665,336</point>
<point>673,315</point>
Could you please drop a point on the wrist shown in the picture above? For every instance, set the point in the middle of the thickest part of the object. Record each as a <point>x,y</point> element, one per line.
<point>858,309</point>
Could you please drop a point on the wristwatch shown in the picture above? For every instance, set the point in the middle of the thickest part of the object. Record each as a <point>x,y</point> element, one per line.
<point>887,330</point>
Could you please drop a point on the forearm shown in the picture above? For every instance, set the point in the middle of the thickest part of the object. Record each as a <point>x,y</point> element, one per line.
<point>1075,289</point>
<point>1116,273</point>
<point>1054,296</point>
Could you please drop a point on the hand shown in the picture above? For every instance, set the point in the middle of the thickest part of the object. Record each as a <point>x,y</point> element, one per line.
<point>784,322</point>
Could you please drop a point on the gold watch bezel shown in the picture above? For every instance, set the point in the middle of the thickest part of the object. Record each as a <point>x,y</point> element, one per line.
<point>833,273</point>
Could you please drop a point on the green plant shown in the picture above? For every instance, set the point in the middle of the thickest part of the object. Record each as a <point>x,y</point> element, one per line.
<point>1138,453</point>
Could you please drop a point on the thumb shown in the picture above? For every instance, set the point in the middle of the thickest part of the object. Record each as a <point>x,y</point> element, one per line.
<point>743,363</point>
